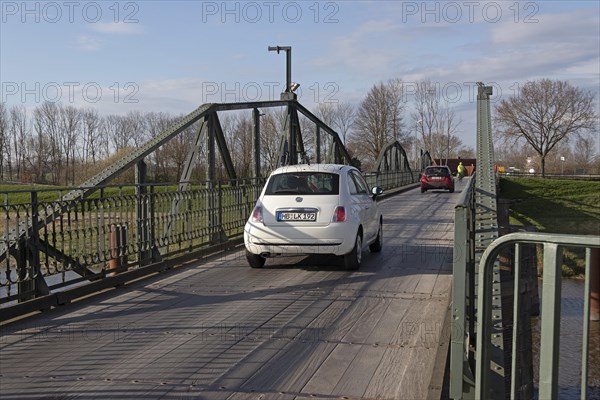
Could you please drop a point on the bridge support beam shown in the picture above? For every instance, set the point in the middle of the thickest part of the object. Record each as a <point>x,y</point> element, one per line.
<point>144,230</point>
<point>595,285</point>
<point>256,143</point>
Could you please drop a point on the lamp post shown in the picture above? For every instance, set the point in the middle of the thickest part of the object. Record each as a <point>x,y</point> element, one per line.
<point>562,165</point>
<point>288,93</point>
<point>416,141</point>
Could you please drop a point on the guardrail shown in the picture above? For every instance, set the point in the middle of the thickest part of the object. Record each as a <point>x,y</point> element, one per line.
<point>462,361</point>
<point>553,246</point>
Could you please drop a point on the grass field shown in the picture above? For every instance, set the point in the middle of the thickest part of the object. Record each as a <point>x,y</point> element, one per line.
<point>555,206</point>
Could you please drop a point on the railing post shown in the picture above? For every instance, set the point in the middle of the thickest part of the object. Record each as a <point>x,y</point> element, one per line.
<point>550,340</point>
<point>459,273</point>
<point>152,231</point>
<point>31,282</point>
<point>595,285</point>
<point>118,246</point>
<point>220,204</point>
<point>144,246</point>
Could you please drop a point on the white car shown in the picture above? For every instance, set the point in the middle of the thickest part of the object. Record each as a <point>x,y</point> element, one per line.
<point>314,209</point>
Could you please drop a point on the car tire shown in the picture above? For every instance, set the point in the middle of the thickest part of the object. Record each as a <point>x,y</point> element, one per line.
<point>377,245</point>
<point>451,190</point>
<point>423,190</point>
<point>352,260</point>
<point>255,260</point>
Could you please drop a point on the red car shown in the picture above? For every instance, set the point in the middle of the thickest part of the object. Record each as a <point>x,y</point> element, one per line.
<point>437,177</point>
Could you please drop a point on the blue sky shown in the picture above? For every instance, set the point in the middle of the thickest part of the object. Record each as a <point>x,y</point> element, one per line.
<point>175,55</point>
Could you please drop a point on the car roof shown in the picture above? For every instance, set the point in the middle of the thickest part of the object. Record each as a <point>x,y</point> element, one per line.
<point>437,166</point>
<point>331,168</point>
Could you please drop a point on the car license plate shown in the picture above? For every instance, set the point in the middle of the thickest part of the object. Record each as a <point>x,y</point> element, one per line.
<point>296,216</point>
<point>436,178</point>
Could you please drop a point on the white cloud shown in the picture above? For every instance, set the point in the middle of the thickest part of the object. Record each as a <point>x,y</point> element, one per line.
<point>569,27</point>
<point>121,28</point>
<point>361,51</point>
<point>88,43</point>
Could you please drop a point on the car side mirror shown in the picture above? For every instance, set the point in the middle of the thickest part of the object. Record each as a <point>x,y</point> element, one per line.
<point>376,191</point>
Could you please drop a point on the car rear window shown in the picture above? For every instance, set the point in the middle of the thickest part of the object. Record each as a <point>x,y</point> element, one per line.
<point>437,171</point>
<point>317,183</point>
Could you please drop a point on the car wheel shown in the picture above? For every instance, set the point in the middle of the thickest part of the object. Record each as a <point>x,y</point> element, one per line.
<point>255,260</point>
<point>352,259</point>
<point>451,190</point>
<point>423,190</point>
<point>376,246</point>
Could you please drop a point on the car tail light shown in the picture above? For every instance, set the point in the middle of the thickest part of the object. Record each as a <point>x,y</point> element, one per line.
<point>257,214</point>
<point>339,214</point>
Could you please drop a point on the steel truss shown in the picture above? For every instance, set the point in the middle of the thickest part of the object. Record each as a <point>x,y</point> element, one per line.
<point>24,244</point>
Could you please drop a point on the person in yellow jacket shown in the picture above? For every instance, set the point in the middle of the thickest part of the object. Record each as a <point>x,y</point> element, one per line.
<point>460,171</point>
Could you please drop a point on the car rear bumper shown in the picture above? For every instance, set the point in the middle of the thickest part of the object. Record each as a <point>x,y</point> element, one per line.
<point>436,185</point>
<point>336,238</point>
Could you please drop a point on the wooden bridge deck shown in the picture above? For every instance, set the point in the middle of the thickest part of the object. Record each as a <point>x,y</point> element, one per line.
<point>297,329</point>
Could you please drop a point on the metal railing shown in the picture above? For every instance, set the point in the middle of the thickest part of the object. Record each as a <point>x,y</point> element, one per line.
<point>462,361</point>
<point>134,225</point>
<point>553,246</point>
<point>391,180</point>
<point>118,230</point>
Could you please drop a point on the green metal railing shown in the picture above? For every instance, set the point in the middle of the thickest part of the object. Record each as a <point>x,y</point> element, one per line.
<point>553,246</point>
<point>78,241</point>
<point>391,180</point>
<point>462,362</point>
<point>119,230</point>
<point>480,357</point>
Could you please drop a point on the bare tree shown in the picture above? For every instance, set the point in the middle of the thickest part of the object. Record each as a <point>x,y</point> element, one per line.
<point>545,112</point>
<point>92,149</point>
<point>69,124</point>
<point>42,148</point>
<point>157,123</point>
<point>48,131</point>
<point>427,112</point>
<point>344,119</point>
<point>116,130</point>
<point>447,125</point>
<point>271,127</point>
<point>241,145</point>
<point>135,128</point>
<point>20,137</point>
<point>449,145</point>
<point>396,104</point>
<point>584,153</point>
<point>5,155</point>
<point>326,112</point>
<point>379,120</point>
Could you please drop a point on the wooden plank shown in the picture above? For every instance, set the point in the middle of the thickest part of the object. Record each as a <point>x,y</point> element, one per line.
<point>332,370</point>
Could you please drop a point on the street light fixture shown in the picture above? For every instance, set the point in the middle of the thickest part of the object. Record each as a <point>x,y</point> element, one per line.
<point>288,93</point>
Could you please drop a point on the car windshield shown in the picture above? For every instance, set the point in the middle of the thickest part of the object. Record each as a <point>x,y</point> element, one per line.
<point>317,183</point>
<point>436,171</point>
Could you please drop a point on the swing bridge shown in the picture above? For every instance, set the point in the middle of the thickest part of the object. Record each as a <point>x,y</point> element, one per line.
<point>159,268</point>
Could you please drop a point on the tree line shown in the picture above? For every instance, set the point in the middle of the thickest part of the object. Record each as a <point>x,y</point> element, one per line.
<point>64,145</point>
